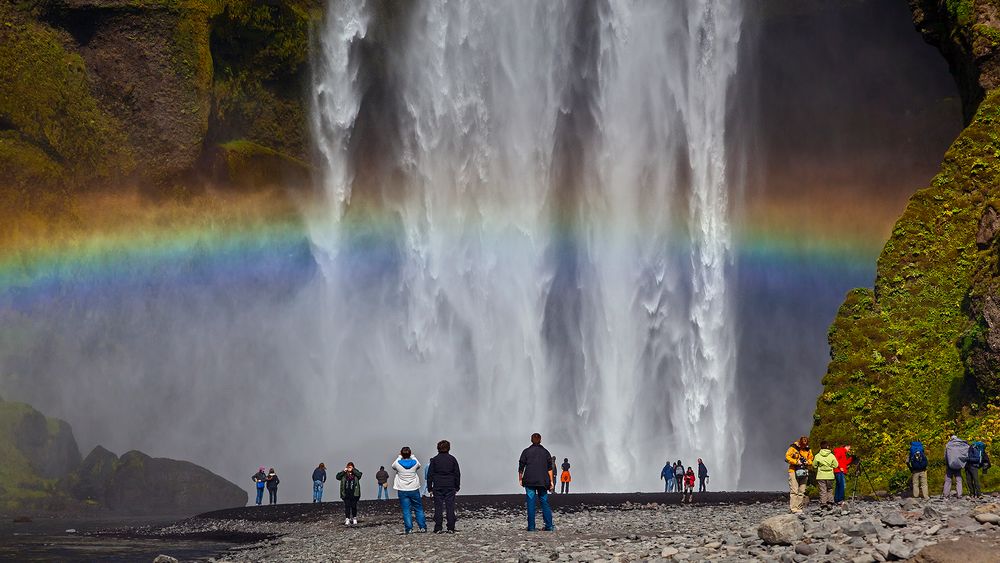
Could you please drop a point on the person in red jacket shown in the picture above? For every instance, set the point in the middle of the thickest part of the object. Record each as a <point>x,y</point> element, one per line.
<point>844,460</point>
<point>688,485</point>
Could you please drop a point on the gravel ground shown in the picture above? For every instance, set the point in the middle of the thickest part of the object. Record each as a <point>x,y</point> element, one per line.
<point>612,528</point>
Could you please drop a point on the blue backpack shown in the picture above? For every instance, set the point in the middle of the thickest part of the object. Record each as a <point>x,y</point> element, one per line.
<point>918,458</point>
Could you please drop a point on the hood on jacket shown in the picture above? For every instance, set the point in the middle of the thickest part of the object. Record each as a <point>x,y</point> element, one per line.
<point>407,463</point>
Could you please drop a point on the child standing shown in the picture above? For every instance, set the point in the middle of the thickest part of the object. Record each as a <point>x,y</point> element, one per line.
<point>688,485</point>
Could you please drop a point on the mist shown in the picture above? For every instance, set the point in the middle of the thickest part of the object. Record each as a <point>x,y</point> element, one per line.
<point>344,346</point>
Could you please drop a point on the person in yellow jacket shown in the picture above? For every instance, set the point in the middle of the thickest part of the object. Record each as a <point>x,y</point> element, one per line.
<point>825,463</point>
<point>799,459</point>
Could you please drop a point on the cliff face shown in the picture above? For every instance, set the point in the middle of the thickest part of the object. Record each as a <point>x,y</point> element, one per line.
<point>917,358</point>
<point>154,92</point>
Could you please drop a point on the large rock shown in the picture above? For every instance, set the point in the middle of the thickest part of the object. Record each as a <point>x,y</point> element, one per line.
<point>139,484</point>
<point>48,444</point>
<point>785,529</point>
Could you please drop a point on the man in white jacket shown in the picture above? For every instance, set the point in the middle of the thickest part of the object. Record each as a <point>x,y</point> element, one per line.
<point>407,485</point>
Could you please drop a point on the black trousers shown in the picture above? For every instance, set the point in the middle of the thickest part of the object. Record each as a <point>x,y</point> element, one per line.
<point>701,484</point>
<point>351,507</point>
<point>272,495</point>
<point>564,489</point>
<point>972,476</point>
<point>444,500</point>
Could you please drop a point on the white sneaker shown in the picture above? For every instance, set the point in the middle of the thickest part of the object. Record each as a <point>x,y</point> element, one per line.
<point>354,521</point>
<point>347,521</point>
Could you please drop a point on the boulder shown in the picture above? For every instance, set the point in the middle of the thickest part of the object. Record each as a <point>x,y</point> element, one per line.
<point>988,518</point>
<point>784,529</point>
<point>47,443</point>
<point>147,485</point>
<point>894,520</point>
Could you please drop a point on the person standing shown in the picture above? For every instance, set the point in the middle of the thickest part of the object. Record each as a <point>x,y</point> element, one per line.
<point>319,478</point>
<point>679,476</point>
<point>259,478</point>
<point>350,492</point>
<point>917,462</point>
<point>534,473</point>
<point>407,485</point>
<point>702,475</point>
<point>554,466</point>
<point>826,463</point>
<point>977,459</point>
<point>688,485</point>
<point>444,480</point>
<point>565,478</point>
<point>382,477</point>
<point>272,486</point>
<point>667,475</point>
<point>844,460</point>
<point>956,454</point>
<point>799,460</point>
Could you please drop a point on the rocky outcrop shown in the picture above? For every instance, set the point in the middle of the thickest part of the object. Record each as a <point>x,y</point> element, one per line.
<point>138,484</point>
<point>90,87</point>
<point>918,356</point>
<point>41,470</point>
<point>968,34</point>
<point>48,444</point>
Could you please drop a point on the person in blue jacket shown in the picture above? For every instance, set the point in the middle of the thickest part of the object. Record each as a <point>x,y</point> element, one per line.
<point>259,479</point>
<point>667,475</point>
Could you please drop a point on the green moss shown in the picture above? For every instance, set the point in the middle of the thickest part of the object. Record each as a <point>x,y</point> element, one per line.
<point>961,10</point>
<point>23,488</point>
<point>46,99</point>
<point>896,372</point>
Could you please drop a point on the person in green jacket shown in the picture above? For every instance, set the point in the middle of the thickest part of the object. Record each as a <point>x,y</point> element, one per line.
<point>825,462</point>
<point>350,492</point>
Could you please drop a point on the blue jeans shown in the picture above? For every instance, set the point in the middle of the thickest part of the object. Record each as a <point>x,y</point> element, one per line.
<point>408,500</point>
<point>260,495</point>
<point>840,487</point>
<point>670,485</point>
<point>543,495</point>
<point>383,489</point>
<point>317,491</point>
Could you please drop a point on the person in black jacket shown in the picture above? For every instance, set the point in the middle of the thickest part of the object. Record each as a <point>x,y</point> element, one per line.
<point>702,475</point>
<point>444,479</point>
<point>272,486</point>
<point>319,478</point>
<point>534,473</point>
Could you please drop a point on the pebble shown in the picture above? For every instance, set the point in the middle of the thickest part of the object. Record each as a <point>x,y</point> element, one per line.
<point>863,533</point>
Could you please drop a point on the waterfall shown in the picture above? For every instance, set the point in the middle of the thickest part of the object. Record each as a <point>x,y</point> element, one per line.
<point>528,229</point>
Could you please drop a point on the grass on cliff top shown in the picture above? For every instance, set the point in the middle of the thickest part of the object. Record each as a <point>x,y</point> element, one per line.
<point>896,372</point>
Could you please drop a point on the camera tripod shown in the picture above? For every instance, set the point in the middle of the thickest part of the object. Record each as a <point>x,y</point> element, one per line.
<point>859,471</point>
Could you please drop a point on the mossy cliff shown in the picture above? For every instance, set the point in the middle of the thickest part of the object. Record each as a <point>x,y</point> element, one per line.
<point>917,358</point>
<point>104,92</point>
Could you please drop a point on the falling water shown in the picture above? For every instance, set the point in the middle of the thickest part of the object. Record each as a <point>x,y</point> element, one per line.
<point>528,229</point>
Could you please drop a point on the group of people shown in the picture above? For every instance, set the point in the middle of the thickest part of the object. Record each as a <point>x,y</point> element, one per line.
<point>959,455</point>
<point>831,470</point>
<point>678,479</point>
<point>267,480</point>
<point>536,473</point>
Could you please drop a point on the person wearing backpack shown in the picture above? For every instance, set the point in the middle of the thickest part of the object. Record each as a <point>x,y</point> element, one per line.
<point>977,454</point>
<point>917,463</point>
<point>799,460</point>
<point>844,461</point>
<point>679,476</point>
<point>826,463</point>
<point>956,455</point>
